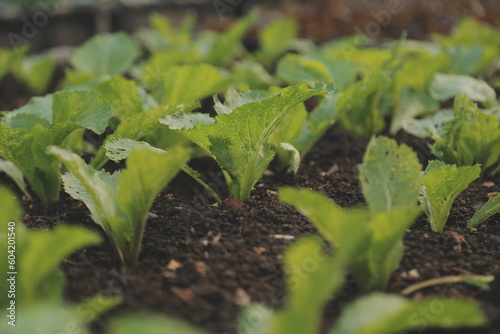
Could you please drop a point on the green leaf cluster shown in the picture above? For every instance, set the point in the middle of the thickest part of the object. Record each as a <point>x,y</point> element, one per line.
<point>470,137</point>
<point>26,133</point>
<point>239,139</point>
<point>120,202</point>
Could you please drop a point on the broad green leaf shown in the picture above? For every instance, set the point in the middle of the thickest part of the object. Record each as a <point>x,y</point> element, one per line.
<point>120,204</point>
<point>313,277</point>
<point>97,305</point>
<point>471,32</point>
<point>289,133</point>
<point>296,68</point>
<point>471,136</point>
<point>148,323</point>
<point>446,86</point>
<point>111,54</point>
<point>119,149</point>
<point>359,107</point>
<point>38,110</point>
<point>39,256</point>
<point>36,72</point>
<point>239,141</point>
<point>470,60</point>
<point>137,127</point>
<point>275,39</point>
<point>390,175</point>
<point>440,187</point>
<point>87,108</point>
<point>382,253</point>
<point>123,95</point>
<point>15,174</point>
<point>46,318</point>
<point>388,314</point>
<point>411,105</point>
<point>428,126</point>
<point>381,250</point>
<point>491,207</point>
<point>189,83</point>
<point>8,58</point>
<point>147,173</point>
<point>295,157</point>
<point>227,44</point>
<point>253,74</point>
<point>10,222</point>
<point>334,223</point>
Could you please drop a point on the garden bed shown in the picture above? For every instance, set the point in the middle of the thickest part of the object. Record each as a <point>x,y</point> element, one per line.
<point>192,263</point>
<point>204,262</point>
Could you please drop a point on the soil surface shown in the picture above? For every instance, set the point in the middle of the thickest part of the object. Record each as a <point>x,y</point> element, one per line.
<point>202,263</point>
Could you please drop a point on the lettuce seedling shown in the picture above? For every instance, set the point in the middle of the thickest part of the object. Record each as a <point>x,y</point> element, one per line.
<point>239,139</point>
<point>8,58</point>
<point>36,72</point>
<point>390,175</point>
<point>391,314</point>
<point>360,108</point>
<point>382,248</point>
<point>26,133</point>
<point>119,202</point>
<point>186,83</point>
<point>470,137</point>
<point>142,125</point>
<point>444,87</point>
<point>37,254</point>
<point>441,184</point>
<point>149,323</point>
<point>102,56</point>
<point>314,275</point>
<point>489,209</point>
<point>275,39</point>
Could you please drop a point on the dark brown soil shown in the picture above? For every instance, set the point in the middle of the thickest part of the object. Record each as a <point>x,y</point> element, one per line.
<point>202,263</point>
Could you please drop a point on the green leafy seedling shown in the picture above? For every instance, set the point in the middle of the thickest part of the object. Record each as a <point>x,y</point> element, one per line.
<point>239,139</point>
<point>441,185</point>
<point>314,275</point>
<point>491,207</point>
<point>37,255</point>
<point>391,314</point>
<point>120,202</point>
<point>26,133</point>
<point>382,249</point>
<point>470,137</point>
<point>390,175</point>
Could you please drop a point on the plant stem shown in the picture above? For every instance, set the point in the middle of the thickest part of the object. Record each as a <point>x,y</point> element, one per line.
<point>477,280</point>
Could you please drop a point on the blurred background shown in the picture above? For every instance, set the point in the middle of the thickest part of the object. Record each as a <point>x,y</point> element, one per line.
<point>53,23</point>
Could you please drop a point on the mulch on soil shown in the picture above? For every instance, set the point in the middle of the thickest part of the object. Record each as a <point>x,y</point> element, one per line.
<point>202,263</point>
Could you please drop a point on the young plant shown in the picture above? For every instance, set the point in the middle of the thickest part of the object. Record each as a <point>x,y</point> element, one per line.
<point>446,86</point>
<point>390,175</point>
<point>391,314</point>
<point>275,39</point>
<point>489,209</point>
<point>315,275</point>
<point>441,184</point>
<point>37,255</point>
<point>26,133</point>
<point>100,57</point>
<point>36,72</point>
<point>382,248</point>
<point>120,202</point>
<point>470,137</point>
<point>238,138</point>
